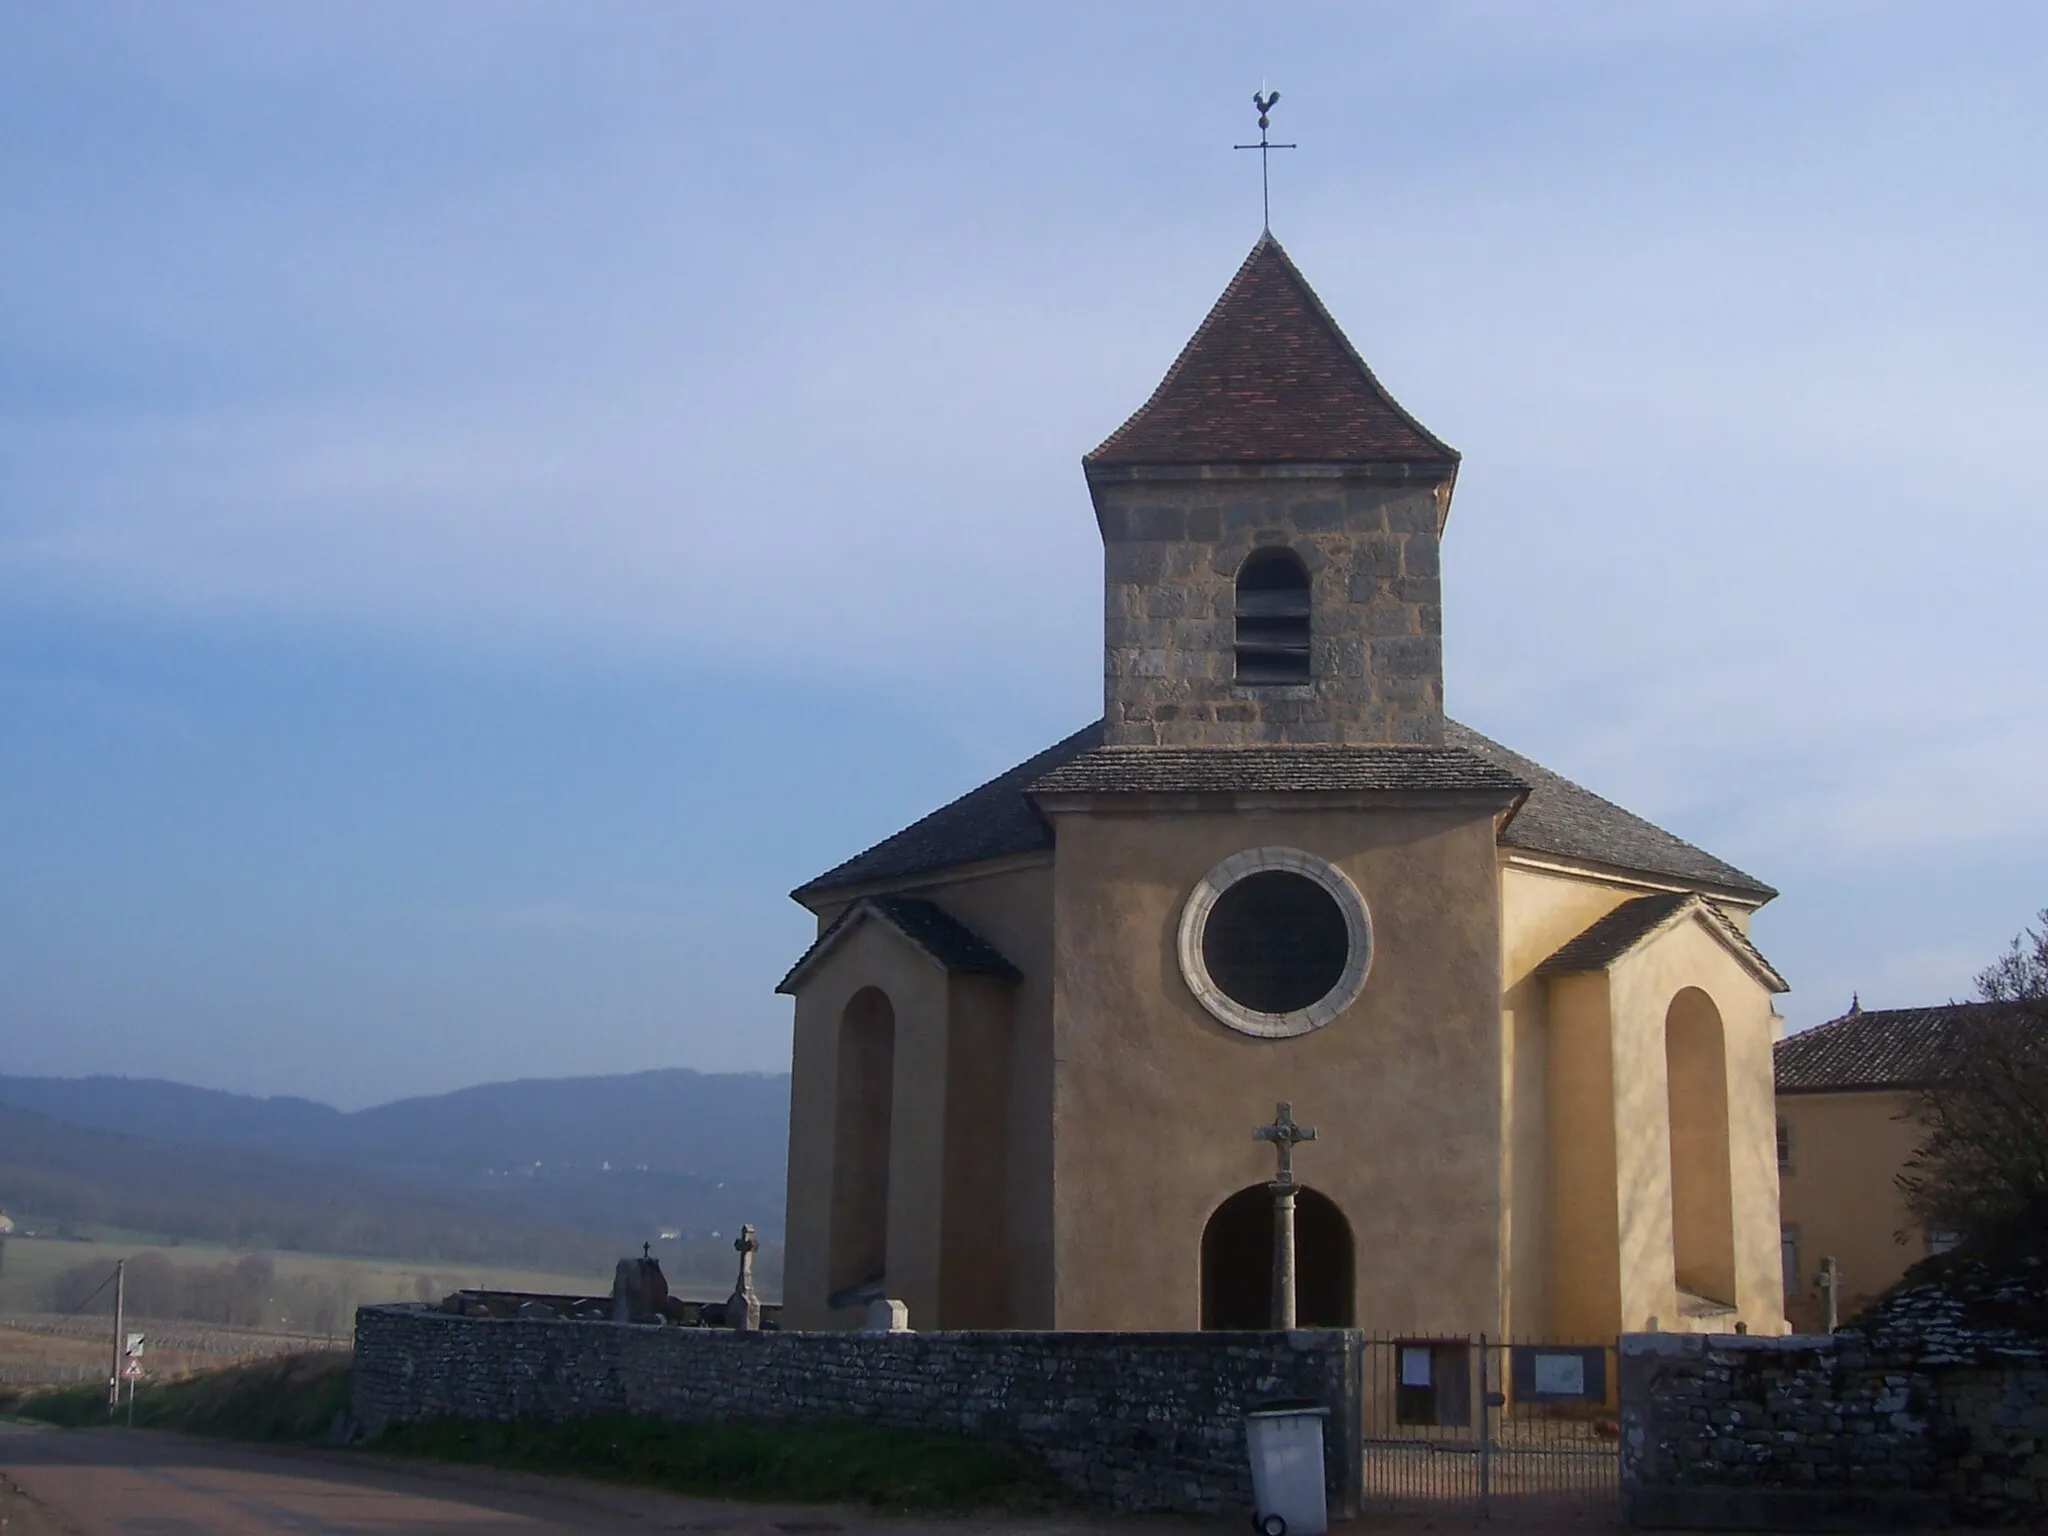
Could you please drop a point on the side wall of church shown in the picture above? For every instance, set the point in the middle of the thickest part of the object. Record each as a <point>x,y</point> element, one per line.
<point>1012,909</point>
<point>1540,910</point>
<point>1172,545</point>
<point>982,1202</point>
<point>918,999</point>
<point>1155,1100</point>
<point>1688,967</point>
<point>1589,1243</point>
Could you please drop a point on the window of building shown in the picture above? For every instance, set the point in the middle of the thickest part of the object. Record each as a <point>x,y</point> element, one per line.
<point>1275,942</point>
<point>1784,1146</point>
<point>1788,1256</point>
<point>1272,618</point>
<point>1942,1240</point>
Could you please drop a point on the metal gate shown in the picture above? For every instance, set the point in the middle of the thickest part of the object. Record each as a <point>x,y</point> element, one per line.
<point>1475,1425</point>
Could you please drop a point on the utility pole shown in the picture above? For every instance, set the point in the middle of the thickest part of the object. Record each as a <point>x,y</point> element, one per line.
<point>114,1376</point>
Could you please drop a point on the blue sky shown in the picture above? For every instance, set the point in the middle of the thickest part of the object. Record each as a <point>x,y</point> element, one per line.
<point>491,496</point>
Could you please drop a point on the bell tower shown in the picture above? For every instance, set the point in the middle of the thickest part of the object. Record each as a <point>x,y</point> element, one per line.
<point>1270,521</point>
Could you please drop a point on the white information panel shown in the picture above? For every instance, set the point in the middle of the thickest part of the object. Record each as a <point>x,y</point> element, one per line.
<point>1561,1375</point>
<point>1414,1365</point>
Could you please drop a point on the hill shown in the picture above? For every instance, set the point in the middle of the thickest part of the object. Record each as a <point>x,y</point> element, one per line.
<point>631,1154</point>
<point>252,1200</point>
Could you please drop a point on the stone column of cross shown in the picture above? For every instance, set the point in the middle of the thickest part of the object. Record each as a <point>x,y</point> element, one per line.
<point>1285,1135</point>
<point>1830,1283</point>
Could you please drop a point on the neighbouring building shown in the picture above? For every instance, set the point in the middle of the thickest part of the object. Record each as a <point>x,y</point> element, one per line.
<point>1847,1094</point>
<point>1037,1027</point>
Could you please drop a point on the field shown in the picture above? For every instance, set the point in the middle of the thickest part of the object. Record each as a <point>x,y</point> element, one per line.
<point>32,1263</point>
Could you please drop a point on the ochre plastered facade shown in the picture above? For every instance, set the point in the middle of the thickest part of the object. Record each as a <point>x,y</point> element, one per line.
<point>1517,1145</point>
<point>1843,1155</point>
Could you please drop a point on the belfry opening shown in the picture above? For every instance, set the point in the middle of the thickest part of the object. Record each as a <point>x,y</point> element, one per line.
<point>1237,1261</point>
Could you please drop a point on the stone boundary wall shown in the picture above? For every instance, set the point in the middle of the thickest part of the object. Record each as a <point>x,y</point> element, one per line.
<point>1820,1432</point>
<point>1143,1421</point>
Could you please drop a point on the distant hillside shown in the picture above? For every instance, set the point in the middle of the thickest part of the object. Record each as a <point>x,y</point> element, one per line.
<point>78,1177</point>
<point>634,1154</point>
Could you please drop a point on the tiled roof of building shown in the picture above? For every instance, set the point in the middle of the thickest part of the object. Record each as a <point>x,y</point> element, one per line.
<point>1610,937</point>
<point>1614,935</point>
<point>1209,770</point>
<point>1882,1047</point>
<point>1558,817</point>
<point>990,822</point>
<point>1563,818</point>
<point>1269,378</point>
<point>948,941</point>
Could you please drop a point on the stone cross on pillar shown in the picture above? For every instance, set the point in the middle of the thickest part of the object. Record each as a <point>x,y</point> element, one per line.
<point>1830,1283</point>
<point>1284,1134</point>
<point>743,1307</point>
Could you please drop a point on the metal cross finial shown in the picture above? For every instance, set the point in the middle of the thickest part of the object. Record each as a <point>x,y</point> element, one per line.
<point>1264,101</point>
<point>1284,1133</point>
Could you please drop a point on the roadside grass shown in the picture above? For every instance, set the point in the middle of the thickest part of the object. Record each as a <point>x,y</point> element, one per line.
<point>284,1398</point>
<point>294,1398</point>
<point>889,1469</point>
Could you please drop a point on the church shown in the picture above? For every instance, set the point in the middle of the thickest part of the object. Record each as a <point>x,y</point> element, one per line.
<point>1038,1028</point>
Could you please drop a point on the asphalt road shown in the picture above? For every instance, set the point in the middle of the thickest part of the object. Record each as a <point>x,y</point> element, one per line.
<point>114,1482</point>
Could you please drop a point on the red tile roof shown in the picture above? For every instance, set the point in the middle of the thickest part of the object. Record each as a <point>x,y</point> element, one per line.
<point>1269,378</point>
<point>1883,1047</point>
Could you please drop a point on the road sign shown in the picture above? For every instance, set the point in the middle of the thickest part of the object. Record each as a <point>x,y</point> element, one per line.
<point>132,1371</point>
<point>134,1345</point>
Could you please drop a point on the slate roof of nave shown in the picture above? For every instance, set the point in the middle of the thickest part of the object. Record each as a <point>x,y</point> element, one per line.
<point>1558,817</point>
<point>1882,1047</point>
<point>1569,820</point>
<point>1614,935</point>
<point>1269,377</point>
<point>1609,937</point>
<point>950,943</point>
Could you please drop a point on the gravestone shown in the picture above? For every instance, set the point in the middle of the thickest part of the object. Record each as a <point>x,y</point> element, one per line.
<point>638,1289</point>
<point>887,1315</point>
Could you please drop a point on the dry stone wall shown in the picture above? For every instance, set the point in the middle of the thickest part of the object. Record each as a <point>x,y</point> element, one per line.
<point>1819,1432</point>
<point>1144,1421</point>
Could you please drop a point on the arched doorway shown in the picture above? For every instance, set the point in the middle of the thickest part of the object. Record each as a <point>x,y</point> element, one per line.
<point>860,1140</point>
<point>1702,1192</point>
<point>1237,1262</point>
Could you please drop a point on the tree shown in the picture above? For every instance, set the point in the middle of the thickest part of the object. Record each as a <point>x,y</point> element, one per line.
<point>2021,973</point>
<point>1982,1172</point>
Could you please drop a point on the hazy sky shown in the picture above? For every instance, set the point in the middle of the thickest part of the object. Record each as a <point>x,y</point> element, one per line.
<point>491,496</point>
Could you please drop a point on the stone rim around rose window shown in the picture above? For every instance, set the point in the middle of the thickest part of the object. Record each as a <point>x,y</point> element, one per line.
<point>1201,905</point>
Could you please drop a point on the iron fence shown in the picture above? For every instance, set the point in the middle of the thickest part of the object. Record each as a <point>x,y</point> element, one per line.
<point>1483,1425</point>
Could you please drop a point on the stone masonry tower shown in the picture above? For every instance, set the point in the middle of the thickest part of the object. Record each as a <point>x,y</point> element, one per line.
<point>1270,520</point>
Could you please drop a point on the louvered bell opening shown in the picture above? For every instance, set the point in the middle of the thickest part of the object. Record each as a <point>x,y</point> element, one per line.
<point>1272,619</point>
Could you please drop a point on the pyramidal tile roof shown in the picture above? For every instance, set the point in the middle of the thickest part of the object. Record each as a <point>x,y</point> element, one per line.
<point>1269,378</point>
